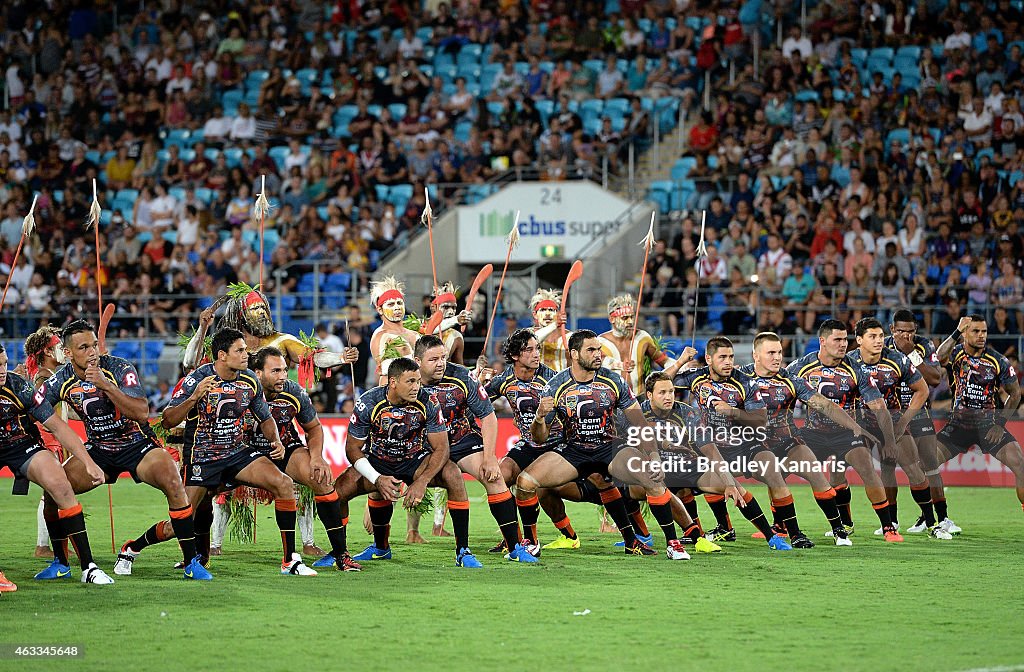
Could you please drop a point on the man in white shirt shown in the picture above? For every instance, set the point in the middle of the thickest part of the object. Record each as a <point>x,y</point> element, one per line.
<point>162,209</point>
<point>162,63</point>
<point>960,39</point>
<point>775,257</point>
<point>609,82</point>
<point>243,127</point>
<point>797,42</point>
<point>217,128</point>
<point>10,126</point>
<point>178,82</point>
<point>712,269</point>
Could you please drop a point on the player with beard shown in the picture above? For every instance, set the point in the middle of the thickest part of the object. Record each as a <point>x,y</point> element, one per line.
<point>546,327</point>
<point>921,353</point>
<point>621,313</point>
<point>22,451</point>
<point>587,398</point>
<point>979,376</point>
<point>443,299</point>
<point>780,392</point>
<point>890,370</point>
<point>463,403</point>
<point>213,401</point>
<point>397,435</point>
<point>106,394</point>
<point>521,384</point>
<point>44,354</point>
<point>303,460</point>
<point>730,404</point>
<point>832,374</point>
<point>662,410</point>
<point>388,297</point>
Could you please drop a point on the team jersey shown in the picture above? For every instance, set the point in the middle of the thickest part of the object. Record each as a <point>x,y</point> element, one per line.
<point>925,348</point>
<point>846,384</point>
<point>524,396</point>
<point>395,432</point>
<point>291,404</point>
<point>215,428</point>
<point>106,428</point>
<point>461,399</point>
<point>780,392</point>
<point>588,410</point>
<point>681,417</point>
<point>976,382</point>
<point>892,371</point>
<point>19,406</point>
<point>738,390</point>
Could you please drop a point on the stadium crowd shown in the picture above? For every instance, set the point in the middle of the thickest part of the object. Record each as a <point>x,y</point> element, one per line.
<point>871,159</point>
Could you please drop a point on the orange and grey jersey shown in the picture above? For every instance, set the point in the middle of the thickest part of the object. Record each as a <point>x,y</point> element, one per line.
<point>20,405</point>
<point>288,406</point>
<point>462,401</point>
<point>215,427</point>
<point>106,428</point>
<point>976,382</point>
<point>846,383</point>
<point>524,397</point>
<point>395,432</point>
<point>589,410</point>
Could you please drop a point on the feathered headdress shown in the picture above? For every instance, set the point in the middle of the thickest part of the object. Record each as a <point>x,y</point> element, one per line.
<point>545,298</point>
<point>617,303</point>
<point>385,289</point>
<point>444,294</point>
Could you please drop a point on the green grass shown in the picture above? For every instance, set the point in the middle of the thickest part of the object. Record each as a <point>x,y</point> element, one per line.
<point>922,605</point>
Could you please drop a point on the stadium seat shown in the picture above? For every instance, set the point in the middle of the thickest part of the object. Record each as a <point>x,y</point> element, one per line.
<point>205,195</point>
<point>229,101</point>
<point>233,155</point>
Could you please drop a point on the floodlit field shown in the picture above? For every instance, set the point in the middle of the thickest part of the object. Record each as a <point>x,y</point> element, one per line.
<point>921,605</point>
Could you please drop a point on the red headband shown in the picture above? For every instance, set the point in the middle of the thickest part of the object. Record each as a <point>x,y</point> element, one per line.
<point>447,297</point>
<point>388,295</point>
<point>546,303</point>
<point>252,299</point>
<point>622,311</point>
<point>32,362</point>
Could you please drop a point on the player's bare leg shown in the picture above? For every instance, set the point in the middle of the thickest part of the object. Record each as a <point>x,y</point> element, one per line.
<point>824,493</point>
<point>501,503</point>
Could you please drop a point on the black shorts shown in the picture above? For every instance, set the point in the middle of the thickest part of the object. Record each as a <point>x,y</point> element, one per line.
<point>467,445</point>
<point>588,461</point>
<point>223,471</point>
<point>683,469</point>
<point>959,439</point>
<point>523,454</point>
<point>781,445</point>
<point>282,464</point>
<point>114,464</point>
<point>826,442</point>
<point>921,425</point>
<point>17,457</point>
<point>403,470</point>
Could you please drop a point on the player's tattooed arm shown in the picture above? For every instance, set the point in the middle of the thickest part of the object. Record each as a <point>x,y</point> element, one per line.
<point>269,429</point>
<point>917,402</point>
<point>489,468</point>
<point>884,419</point>
<point>834,412</point>
<point>539,429</point>
<point>946,347</point>
<point>1013,395</point>
<point>173,415</point>
<point>755,418</point>
<point>636,418</point>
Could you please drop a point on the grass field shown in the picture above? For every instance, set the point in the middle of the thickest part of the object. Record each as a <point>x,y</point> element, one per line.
<point>922,605</point>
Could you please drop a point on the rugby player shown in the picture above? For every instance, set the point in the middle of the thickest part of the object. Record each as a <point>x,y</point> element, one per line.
<point>213,401</point>
<point>890,370</point>
<point>780,392</point>
<point>921,353</point>
<point>463,402</point>
<point>23,452</point>
<point>978,376</point>
<point>586,398</point>
<point>106,394</point>
<point>832,374</point>
<point>397,435</point>
<point>730,405</point>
